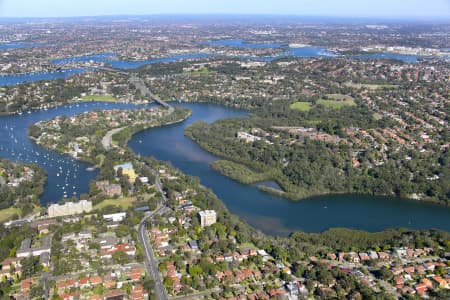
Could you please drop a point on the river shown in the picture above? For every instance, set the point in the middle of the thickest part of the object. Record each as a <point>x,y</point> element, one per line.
<point>274,215</point>
<point>66,176</point>
<point>111,59</point>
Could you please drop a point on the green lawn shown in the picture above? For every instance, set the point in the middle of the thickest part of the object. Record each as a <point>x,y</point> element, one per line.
<point>377,116</point>
<point>336,101</point>
<point>203,71</point>
<point>100,159</point>
<point>99,98</point>
<point>7,213</point>
<point>122,202</point>
<point>371,86</point>
<point>302,106</point>
<point>238,172</point>
<point>248,245</point>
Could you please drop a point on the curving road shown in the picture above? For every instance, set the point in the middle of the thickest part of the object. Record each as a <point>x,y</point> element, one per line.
<point>151,262</point>
<point>107,139</point>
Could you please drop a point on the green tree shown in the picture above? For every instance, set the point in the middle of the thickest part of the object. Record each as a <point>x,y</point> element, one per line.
<point>120,257</point>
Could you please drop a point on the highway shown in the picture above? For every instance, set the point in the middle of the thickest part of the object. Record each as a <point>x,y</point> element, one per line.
<point>140,85</point>
<point>150,260</point>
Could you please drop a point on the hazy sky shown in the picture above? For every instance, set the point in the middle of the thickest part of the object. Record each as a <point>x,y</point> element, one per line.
<point>345,8</point>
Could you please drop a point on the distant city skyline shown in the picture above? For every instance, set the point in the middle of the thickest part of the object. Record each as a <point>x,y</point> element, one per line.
<point>328,8</point>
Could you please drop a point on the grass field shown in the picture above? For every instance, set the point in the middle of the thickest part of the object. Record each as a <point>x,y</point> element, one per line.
<point>248,246</point>
<point>371,86</point>
<point>238,172</point>
<point>122,202</point>
<point>7,213</point>
<point>302,106</point>
<point>377,116</point>
<point>336,101</point>
<point>99,98</point>
<point>100,159</point>
<point>203,71</point>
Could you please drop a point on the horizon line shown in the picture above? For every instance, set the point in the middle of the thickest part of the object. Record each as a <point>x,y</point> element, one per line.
<point>390,18</point>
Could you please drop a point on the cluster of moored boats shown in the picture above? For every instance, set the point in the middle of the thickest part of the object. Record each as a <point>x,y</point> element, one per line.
<point>17,148</point>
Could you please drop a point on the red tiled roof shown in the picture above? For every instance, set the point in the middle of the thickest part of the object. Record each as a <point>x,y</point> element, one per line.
<point>26,284</point>
<point>96,280</point>
<point>83,280</point>
<point>135,277</point>
<point>114,293</point>
<point>109,284</point>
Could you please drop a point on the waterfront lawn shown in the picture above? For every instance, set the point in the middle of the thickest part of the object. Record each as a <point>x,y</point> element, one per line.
<point>239,172</point>
<point>302,106</point>
<point>99,98</point>
<point>100,159</point>
<point>124,203</point>
<point>336,101</point>
<point>7,213</point>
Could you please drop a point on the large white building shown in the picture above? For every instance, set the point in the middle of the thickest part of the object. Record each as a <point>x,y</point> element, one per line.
<point>207,217</point>
<point>119,217</point>
<point>69,208</point>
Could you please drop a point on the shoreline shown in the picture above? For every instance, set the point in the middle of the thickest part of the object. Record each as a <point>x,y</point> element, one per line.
<point>295,197</point>
<point>189,114</point>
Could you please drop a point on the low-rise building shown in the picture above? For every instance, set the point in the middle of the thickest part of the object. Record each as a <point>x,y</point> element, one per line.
<point>118,217</point>
<point>247,137</point>
<point>27,249</point>
<point>128,170</point>
<point>69,208</point>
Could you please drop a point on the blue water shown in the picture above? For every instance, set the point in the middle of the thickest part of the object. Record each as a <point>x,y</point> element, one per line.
<point>107,58</point>
<point>242,44</point>
<point>19,45</point>
<point>9,80</point>
<point>84,58</point>
<point>310,52</point>
<point>402,57</point>
<point>110,60</point>
<point>307,51</point>
<point>61,169</point>
<point>276,215</point>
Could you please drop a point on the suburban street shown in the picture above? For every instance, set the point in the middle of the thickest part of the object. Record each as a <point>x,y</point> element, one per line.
<point>150,261</point>
<point>386,285</point>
